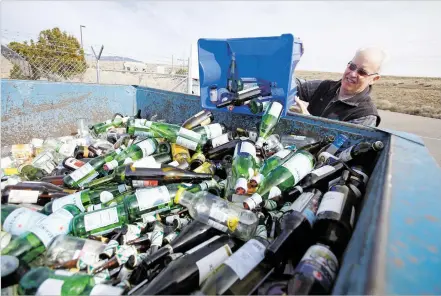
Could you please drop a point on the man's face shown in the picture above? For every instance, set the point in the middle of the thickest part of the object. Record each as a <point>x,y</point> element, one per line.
<point>356,80</point>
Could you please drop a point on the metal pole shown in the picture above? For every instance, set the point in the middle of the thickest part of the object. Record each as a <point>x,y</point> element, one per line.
<point>98,71</point>
<point>81,34</point>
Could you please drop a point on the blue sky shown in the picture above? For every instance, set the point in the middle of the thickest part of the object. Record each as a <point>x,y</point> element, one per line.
<point>410,32</point>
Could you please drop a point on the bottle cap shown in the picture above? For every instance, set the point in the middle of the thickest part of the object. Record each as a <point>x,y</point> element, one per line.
<point>106,196</point>
<point>256,180</point>
<point>241,186</point>
<point>110,165</point>
<point>253,201</point>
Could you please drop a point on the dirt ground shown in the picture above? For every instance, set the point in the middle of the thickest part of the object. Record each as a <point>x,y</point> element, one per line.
<point>410,95</point>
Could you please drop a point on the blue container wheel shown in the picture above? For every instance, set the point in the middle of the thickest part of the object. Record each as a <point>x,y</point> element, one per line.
<point>260,67</point>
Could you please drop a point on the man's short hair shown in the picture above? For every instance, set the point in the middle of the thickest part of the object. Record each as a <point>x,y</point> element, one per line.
<point>379,55</point>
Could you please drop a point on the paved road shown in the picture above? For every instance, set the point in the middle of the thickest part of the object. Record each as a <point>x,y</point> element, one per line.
<point>429,129</point>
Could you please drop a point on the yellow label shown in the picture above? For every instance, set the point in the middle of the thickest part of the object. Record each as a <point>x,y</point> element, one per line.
<point>179,152</point>
<point>10,171</point>
<point>232,223</point>
<point>178,195</point>
<point>86,152</point>
<point>204,168</point>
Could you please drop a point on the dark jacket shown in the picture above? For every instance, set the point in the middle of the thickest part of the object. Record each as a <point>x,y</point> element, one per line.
<point>320,95</point>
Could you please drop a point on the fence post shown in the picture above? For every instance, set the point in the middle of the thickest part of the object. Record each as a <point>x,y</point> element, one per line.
<point>189,78</point>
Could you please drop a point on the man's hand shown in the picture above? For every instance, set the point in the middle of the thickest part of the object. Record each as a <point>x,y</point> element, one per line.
<point>300,107</point>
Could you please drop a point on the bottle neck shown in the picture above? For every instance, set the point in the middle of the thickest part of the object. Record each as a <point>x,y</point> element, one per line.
<point>101,181</point>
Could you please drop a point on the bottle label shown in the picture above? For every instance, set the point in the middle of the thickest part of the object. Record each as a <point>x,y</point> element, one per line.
<point>213,130</point>
<point>338,142</point>
<point>332,202</point>
<point>320,263</point>
<point>23,196</point>
<point>102,289</point>
<point>275,109</point>
<point>246,258</point>
<point>212,261</point>
<point>74,163</point>
<point>217,225</point>
<point>282,153</point>
<point>157,237</point>
<point>152,197</point>
<point>144,183</point>
<point>299,165</point>
<point>188,134</point>
<point>72,199</point>
<point>141,122</point>
<point>345,155</point>
<point>147,147</point>
<point>247,147</point>
<point>194,249</point>
<point>323,170</point>
<point>173,163</point>
<point>333,182</point>
<point>220,140</point>
<point>50,287</point>
<point>21,220</point>
<point>220,220</point>
<point>92,208</point>
<point>186,143</point>
<point>143,134</point>
<point>82,172</point>
<point>101,219</point>
<point>55,224</point>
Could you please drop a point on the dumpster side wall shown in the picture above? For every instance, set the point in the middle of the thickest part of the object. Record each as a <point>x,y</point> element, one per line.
<point>38,109</point>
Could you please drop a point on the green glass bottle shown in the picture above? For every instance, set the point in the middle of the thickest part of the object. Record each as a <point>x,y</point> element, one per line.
<point>282,177</point>
<point>156,176</point>
<point>87,197</point>
<point>133,152</point>
<point>34,242</point>
<point>17,220</point>
<point>269,121</point>
<point>44,281</point>
<point>152,160</point>
<point>102,127</point>
<point>179,135</point>
<point>145,201</point>
<point>210,131</point>
<point>31,173</point>
<point>202,118</point>
<point>271,163</point>
<point>244,164</point>
<point>89,171</point>
<point>138,127</point>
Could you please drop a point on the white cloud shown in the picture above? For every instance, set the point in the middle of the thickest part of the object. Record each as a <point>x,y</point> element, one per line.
<point>331,31</point>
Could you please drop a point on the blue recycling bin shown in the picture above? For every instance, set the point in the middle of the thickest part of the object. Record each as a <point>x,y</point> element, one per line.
<point>261,67</point>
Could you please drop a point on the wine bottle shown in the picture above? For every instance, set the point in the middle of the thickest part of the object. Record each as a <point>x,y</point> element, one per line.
<point>197,160</point>
<point>269,164</point>
<point>259,104</point>
<point>316,272</point>
<point>234,84</point>
<point>362,154</point>
<point>66,248</point>
<point>44,281</point>
<point>295,229</point>
<point>114,242</point>
<point>336,216</point>
<point>283,177</point>
<point>210,131</point>
<point>102,127</point>
<point>202,118</point>
<point>218,152</point>
<point>219,213</point>
<point>153,161</point>
<point>13,195</point>
<point>89,171</point>
<point>17,220</point>
<point>31,173</point>
<point>192,235</point>
<point>81,152</point>
<point>34,242</point>
<point>128,174</point>
<point>238,265</point>
<point>190,270</point>
<point>219,140</point>
<point>136,151</point>
<point>146,201</point>
<point>244,163</point>
<point>12,271</point>
<point>87,197</point>
<point>176,134</point>
<point>181,155</point>
<point>268,122</point>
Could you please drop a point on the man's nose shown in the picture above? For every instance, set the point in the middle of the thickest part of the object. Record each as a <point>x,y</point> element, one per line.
<point>352,73</point>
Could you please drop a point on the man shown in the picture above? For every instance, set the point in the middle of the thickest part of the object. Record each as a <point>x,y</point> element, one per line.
<point>348,99</point>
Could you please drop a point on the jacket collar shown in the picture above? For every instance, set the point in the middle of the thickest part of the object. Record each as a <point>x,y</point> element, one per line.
<point>354,100</point>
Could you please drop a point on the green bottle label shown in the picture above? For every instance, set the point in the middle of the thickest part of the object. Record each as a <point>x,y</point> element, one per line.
<point>100,219</point>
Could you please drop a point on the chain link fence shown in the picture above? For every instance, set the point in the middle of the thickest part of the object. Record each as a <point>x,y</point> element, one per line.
<point>69,63</point>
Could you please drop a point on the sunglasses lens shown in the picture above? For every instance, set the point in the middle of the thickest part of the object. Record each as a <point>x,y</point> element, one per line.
<point>352,67</point>
<point>362,72</point>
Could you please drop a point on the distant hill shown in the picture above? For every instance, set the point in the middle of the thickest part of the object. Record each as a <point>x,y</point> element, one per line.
<point>115,58</point>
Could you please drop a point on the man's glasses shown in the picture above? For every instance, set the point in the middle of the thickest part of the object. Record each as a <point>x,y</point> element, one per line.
<point>360,71</point>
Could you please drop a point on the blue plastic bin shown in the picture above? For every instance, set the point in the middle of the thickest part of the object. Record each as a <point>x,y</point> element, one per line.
<point>268,59</point>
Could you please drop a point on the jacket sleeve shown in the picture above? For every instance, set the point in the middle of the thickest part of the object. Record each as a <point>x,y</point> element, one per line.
<point>369,120</point>
<point>306,88</point>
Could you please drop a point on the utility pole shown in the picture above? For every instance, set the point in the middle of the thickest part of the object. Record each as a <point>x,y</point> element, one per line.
<point>81,35</point>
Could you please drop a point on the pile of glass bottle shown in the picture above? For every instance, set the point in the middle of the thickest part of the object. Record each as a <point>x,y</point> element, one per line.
<point>136,206</point>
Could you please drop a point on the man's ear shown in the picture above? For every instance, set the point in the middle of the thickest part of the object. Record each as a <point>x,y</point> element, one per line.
<point>376,78</point>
